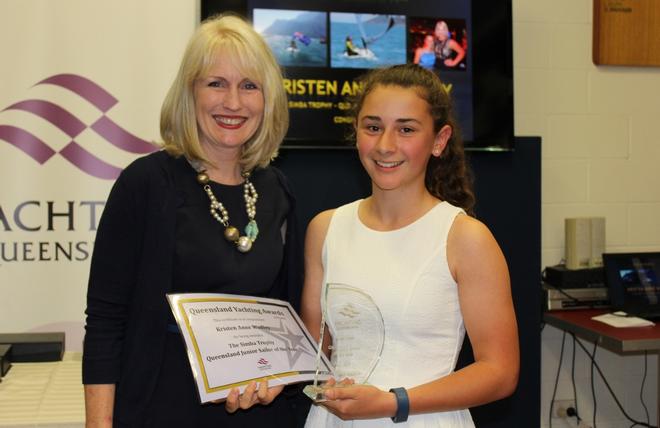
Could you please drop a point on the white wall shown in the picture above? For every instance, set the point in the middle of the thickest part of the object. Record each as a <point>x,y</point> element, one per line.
<point>601,149</point>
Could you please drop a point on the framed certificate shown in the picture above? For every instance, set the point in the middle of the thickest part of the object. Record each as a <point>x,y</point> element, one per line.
<point>233,340</point>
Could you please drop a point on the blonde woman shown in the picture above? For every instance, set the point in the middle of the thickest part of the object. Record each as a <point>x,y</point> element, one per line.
<point>222,122</point>
<point>448,52</point>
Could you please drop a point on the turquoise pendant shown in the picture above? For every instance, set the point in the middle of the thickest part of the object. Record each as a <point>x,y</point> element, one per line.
<point>251,230</point>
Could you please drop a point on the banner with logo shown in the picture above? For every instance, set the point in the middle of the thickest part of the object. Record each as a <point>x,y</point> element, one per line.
<point>81,85</point>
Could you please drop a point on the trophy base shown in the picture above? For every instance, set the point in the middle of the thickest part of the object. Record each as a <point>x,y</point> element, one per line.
<point>315,393</point>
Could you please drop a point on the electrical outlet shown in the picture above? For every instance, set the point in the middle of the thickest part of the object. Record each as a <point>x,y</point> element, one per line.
<point>560,407</point>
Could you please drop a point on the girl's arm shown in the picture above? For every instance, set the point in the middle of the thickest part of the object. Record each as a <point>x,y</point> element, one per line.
<point>311,295</point>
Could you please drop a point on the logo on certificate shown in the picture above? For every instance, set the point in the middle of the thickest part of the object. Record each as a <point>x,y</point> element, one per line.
<point>263,364</point>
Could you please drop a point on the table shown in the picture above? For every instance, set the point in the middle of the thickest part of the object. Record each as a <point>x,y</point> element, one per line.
<point>619,340</point>
<point>43,394</point>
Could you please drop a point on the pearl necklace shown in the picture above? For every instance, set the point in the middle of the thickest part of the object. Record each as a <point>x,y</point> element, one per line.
<point>218,211</point>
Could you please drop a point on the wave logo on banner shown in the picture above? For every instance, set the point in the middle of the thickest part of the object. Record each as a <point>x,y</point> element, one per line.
<point>68,123</point>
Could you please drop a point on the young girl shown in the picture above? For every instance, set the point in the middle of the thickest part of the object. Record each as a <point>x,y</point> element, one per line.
<point>424,55</point>
<point>434,271</point>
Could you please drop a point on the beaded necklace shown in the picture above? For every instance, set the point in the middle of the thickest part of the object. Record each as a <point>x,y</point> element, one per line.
<point>218,211</point>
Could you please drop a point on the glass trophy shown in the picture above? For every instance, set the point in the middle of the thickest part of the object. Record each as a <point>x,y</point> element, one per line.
<point>358,334</point>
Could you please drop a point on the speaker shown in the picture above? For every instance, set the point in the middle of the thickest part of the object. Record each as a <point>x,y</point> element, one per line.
<point>578,242</point>
<point>34,347</point>
<point>585,242</point>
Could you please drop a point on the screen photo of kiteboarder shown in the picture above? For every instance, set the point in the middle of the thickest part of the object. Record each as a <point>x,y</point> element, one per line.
<point>298,38</point>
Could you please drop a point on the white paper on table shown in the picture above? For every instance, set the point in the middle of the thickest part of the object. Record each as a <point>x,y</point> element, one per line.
<point>621,319</point>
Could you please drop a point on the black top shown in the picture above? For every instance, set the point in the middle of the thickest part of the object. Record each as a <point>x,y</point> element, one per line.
<point>126,341</point>
<point>205,261</point>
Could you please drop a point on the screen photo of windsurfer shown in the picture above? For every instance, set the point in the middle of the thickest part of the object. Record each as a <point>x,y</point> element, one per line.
<point>360,40</point>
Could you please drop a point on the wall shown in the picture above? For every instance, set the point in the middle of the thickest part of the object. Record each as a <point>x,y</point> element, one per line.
<point>601,148</point>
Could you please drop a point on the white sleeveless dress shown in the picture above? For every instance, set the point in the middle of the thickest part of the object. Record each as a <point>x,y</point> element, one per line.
<point>405,272</point>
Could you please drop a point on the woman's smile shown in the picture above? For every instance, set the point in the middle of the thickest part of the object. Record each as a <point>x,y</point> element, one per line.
<point>230,122</point>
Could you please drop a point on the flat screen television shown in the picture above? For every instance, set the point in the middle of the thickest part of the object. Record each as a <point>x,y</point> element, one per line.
<point>324,46</point>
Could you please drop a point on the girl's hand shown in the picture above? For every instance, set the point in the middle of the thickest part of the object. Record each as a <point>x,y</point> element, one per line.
<point>332,382</point>
<point>352,401</point>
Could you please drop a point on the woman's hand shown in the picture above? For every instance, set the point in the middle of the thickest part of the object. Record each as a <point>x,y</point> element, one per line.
<point>350,401</point>
<point>254,393</point>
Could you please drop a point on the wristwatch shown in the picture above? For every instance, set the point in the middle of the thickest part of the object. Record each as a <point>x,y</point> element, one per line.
<point>402,405</point>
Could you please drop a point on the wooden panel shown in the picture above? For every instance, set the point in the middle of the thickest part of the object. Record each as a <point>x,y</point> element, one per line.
<point>626,32</point>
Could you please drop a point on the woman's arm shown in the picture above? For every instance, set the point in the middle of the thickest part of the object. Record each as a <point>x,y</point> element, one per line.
<point>112,276</point>
<point>460,54</point>
<point>99,403</point>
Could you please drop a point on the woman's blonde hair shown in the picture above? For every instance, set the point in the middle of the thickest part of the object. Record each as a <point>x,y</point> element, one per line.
<point>234,39</point>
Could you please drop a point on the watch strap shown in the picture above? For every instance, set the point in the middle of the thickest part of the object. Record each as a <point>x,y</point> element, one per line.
<point>402,405</point>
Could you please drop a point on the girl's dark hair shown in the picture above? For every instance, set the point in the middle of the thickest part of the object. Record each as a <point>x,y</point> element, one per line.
<point>448,177</point>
